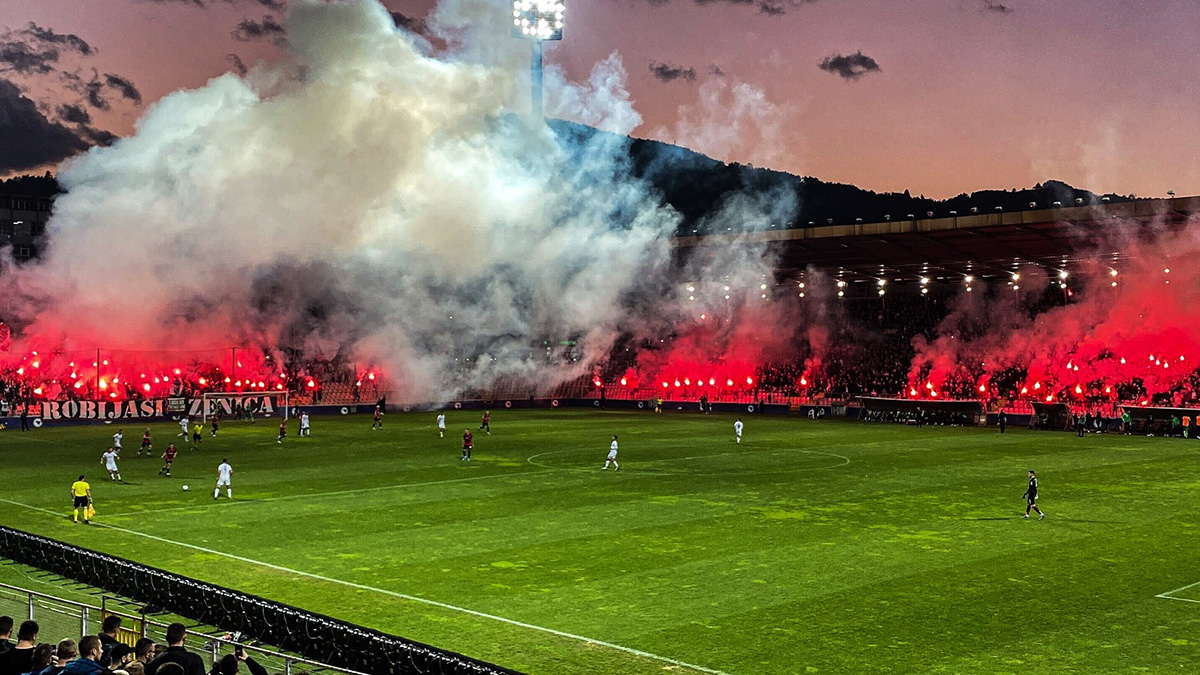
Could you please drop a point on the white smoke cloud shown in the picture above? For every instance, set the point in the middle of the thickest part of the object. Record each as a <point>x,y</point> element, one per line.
<point>368,200</point>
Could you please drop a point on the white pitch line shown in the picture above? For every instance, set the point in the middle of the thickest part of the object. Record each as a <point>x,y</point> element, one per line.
<point>335,493</point>
<point>1170,595</point>
<point>395,594</point>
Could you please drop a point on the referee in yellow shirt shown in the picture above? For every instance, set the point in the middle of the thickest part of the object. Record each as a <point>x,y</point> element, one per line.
<point>82,494</point>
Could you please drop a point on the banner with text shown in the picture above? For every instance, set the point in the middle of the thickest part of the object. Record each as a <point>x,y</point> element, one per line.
<point>263,404</point>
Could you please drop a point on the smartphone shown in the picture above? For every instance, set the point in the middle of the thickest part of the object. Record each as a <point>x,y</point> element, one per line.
<point>238,651</point>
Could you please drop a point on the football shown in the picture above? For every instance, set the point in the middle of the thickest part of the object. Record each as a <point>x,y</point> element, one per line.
<point>185,488</point>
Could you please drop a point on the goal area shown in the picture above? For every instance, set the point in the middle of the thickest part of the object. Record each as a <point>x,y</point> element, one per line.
<point>240,405</point>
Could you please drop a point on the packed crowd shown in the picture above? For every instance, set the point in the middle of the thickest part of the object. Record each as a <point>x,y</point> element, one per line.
<point>109,654</point>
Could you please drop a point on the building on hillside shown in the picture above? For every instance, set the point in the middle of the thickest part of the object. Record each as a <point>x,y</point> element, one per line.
<point>22,223</point>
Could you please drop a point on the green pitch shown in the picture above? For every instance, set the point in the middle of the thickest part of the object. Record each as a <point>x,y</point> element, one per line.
<point>830,547</point>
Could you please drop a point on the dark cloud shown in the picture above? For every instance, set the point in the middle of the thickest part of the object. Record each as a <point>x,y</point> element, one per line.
<point>409,23</point>
<point>70,41</point>
<point>768,7</point>
<point>124,87</point>
<point>93,136</point>
<point>27,59</point>
<point>996,7</point>
<point>249,30</point>
<point>239,66</point>
<point>276,5</point>
<point>93,92</point>
<point>850,66</point>
<point>669,72</point>
<point>35,50</point>
<point>74,114</point>
<point>716,70</point>
<point>29,139</point>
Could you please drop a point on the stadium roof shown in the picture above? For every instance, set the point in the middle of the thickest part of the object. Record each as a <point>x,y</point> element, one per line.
<point>982,244</point>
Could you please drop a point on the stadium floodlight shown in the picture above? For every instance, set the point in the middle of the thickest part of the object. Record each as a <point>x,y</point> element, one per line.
<point>538,21</point>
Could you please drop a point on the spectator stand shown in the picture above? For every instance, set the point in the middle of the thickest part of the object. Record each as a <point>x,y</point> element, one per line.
<point>61,618</point>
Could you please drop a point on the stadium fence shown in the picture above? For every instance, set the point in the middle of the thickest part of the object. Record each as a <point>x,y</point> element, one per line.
<point>340,645</point>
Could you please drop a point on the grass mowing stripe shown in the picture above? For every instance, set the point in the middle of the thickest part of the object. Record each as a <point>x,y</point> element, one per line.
<point>395,594</point>
<point>336,493</point>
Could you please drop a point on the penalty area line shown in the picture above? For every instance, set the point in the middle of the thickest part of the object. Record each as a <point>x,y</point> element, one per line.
<point>394,594</point>
<point>1170,595</point>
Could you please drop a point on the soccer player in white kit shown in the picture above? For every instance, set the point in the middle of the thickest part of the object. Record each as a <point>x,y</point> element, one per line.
<point>110,462</point>
<point>117,440</point>
<point>183,427</point>
<point>441,420</point>
<point>224,478</point>
<point>612,456</point>
<point>304,430</point>
<point>737,429</point>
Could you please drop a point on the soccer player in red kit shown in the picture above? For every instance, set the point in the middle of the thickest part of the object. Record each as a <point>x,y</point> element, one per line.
<point>487,422</point>
<point>168,457</point>
<point>146,447</point>
<point>468,442</point>
<point>378,422</point>
<point>282,431</point>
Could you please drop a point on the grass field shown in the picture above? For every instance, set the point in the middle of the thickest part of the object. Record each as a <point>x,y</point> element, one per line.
<point>830,547</point>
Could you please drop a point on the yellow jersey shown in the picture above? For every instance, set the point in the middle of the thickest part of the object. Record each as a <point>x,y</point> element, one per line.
<point>80,488</point>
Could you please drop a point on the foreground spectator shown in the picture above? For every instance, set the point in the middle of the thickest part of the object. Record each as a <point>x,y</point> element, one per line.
<point>176,653</point>
<point>6,624</point>
<point>43,656</point>
<point>119,657</point>
<point>88,663</point>
<point>66,650</point>
<point>228,665</point>
<point>135,668</point>
<point>143,651</point>
<point>19,659</point>
<point>108,638</point>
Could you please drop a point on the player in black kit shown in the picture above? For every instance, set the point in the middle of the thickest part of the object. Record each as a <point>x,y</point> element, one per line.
<point>1031,497</point>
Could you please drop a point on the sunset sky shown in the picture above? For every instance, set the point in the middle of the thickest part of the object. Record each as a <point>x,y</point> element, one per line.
<point>935,96</point>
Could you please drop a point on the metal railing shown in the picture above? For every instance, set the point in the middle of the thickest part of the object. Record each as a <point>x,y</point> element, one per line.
<point>59,618</point>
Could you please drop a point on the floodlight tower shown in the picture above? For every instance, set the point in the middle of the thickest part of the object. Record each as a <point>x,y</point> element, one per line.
<point>538,21</point>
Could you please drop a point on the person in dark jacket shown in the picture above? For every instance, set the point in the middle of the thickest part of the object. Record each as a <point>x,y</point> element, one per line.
<point>43,656</point>
<point>19,659</point>
<point>229,665</point>
<point>88,663</point>
<point>64,653</point>
<point>176,653</point>
<point>108,638</point>
<point>6,624</point>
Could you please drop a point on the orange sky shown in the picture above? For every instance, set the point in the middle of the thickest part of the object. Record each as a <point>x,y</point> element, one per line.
<point>1099,93</point>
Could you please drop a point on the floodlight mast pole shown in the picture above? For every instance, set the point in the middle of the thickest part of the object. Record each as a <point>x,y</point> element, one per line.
<point>535,77</point>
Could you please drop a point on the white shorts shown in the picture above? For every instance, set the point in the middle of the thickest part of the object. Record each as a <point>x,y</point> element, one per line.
<point>612,455</point>
<point>111,466</point>
<point>223,482</point>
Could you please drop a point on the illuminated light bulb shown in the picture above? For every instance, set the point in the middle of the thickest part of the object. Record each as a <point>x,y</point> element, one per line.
<point>1167,270</point>
<point>1037,385</point>
<point>1112,273</point>
<point>177,371</point>
<point>1063,274</point>
<point>37,364</point>
<point>728,383</point>
<point>687,381</point>
<point>801,284</point>
<point>78,385</point>
<point>802,295</point>
<point>38,391</point>
<point>929,385</point>
<point>712,381</point>
<point>227,380</point>
<point>841,294</point>
<point>1122,360</point>
<point>727,288</point>
<point>103,383</point>
<point>146,387</point>
<point>1114,284</point>
<point>924,280</point>
<point>969,289</point>
<point>21,370</point>
<point>912,391</point>
<point>203,381</point>
<point>726,297</point>
<point>1078,389</point>
<point>763,287</point>
<point>1024,390</point>
<point>705,316</point>
<point>749,380</point>
<point>106,362</point>
<point>370,376</point>
<point>311,384</point>
<point>623,382</point>
<point>676,383</point>
<point>969,279</point>
<point>691,297</point>
<point>279,386</point>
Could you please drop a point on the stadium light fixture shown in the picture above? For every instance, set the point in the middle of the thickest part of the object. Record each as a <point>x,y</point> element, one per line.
<point>538,21</point>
